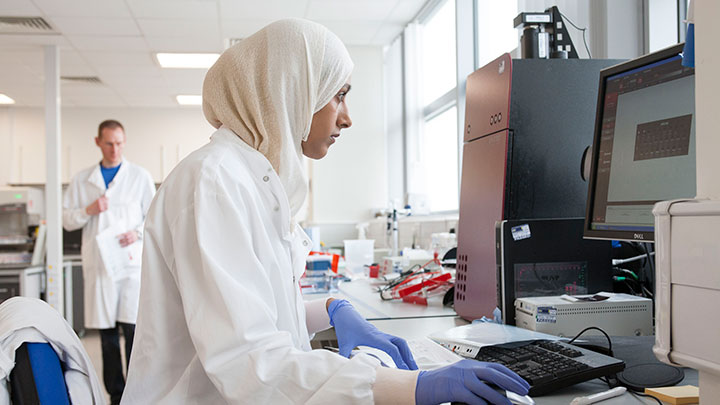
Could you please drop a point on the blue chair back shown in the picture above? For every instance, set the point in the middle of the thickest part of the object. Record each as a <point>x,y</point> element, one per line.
<point>37,377</point>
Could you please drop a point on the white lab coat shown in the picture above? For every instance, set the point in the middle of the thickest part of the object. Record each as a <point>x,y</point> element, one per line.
<point>25,319</point>
<point>222,319</point>
<point>109,299</point>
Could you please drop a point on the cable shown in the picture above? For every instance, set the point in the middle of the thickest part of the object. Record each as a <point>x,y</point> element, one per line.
<point>583,32</point>
<point>645,395</point>
<point>598,329</point>
<point>631,259</point>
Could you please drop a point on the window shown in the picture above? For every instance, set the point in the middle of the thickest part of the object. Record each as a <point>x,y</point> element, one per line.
<point>437,40</point>
<point>496,34</point>
<point>433,166</point>
<point>441,158</point>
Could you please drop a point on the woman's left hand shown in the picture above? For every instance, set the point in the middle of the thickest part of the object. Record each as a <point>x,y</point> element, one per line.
<point>353,330</point>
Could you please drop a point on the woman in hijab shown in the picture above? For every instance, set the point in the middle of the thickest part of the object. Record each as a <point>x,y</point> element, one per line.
<point>221,316</point>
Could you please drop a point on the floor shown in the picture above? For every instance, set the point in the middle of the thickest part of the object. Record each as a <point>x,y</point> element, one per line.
<point>91,341</point>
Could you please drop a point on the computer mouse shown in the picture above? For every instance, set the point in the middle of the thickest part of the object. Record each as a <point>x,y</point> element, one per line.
<point>514,398</point>
<point>517,398</point>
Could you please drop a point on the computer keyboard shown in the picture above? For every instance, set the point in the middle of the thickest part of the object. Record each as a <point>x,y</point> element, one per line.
<point>547,365</point>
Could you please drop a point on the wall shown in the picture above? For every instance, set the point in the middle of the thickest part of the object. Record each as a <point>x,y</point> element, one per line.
<point>351,179</point>
<point>157,139</point>
<point>6,142</point>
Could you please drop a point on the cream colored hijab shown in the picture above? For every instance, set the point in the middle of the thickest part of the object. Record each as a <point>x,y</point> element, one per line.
<point>267,88</point>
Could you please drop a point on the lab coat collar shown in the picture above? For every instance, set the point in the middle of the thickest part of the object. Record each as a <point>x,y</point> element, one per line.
<point>260,167</point>
<point>96,177</point>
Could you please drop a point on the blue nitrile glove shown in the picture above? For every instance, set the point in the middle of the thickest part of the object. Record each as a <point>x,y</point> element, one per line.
<point>465,381</point>
<point>353,330</point>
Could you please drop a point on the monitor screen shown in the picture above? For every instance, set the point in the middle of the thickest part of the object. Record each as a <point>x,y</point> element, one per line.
<point>644,146</point>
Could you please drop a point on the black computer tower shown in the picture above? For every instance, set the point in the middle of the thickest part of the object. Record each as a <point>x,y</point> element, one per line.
<point>527,123</point>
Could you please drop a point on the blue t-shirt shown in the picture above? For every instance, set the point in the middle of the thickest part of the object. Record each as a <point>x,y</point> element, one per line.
<point>109,173</point>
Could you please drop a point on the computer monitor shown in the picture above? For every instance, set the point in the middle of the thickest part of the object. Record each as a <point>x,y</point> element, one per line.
<point>644,145</point>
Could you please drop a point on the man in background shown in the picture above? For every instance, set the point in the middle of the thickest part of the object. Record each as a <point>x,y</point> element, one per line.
<point>110,198</point>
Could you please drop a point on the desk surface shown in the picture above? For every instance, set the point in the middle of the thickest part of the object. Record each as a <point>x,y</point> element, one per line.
<point>366,300</point>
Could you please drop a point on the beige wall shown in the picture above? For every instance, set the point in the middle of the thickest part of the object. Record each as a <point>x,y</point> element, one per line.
<point>156,139</point>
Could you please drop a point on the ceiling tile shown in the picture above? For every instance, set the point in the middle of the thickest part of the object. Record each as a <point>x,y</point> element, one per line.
<point>136,84</point>
<point>77,70</point>
<point>130,71</point>
<point>178,28</point>
<point>387,33</point>
<point>108,58</point>
<point>353,33</point>
<point>242,28</point>
<point>86,89</point>
<point>91,101</point>
<point>84,8</point>
<point>355,10</point>
<point>103,43</point>
<point>27,97</point>
<point>186,80</point>
<point>197,10</point>
<point>268,9</point>
<point>95,26</point>
<point>185,44</point>
<point>21,41</point>
<point>18,8</point>
<point>150,101</point>
<point>70,57</point>
<point>405,11</point>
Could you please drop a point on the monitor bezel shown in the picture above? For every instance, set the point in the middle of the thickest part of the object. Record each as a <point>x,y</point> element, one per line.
<point>632,236</point>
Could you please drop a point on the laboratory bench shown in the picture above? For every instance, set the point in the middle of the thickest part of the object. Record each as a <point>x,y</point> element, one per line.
<point>412,321</point>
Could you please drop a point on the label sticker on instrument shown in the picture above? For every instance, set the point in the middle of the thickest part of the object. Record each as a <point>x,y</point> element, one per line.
<point>546,315</point>
<point>520,232</point>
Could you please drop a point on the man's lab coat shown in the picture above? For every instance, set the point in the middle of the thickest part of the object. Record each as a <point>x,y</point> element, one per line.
<point>109,299</point>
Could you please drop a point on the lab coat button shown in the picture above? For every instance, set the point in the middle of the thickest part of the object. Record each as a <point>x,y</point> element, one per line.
<point>266,179</point>
<point>305,243</point>
<point>276,209</point>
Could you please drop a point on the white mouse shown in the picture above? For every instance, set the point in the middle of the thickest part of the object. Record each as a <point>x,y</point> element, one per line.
<point>519,399</point>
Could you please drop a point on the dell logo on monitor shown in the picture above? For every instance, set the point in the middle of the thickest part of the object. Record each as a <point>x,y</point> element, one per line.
<point>638,236</point>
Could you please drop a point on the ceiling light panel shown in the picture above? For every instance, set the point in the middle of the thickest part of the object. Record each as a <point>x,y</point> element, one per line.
<point>5,99</point>
<point>187,60</point>
<point>189,100</point>
<point>189,44</point>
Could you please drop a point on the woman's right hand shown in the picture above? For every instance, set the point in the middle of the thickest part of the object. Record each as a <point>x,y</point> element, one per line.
<point>466,381</point>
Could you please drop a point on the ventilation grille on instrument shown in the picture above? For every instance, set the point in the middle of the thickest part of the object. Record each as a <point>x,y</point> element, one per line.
<point>461,278</point>
<point>25,25</point>
<point>81,79</point>
<point>604,309</point>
